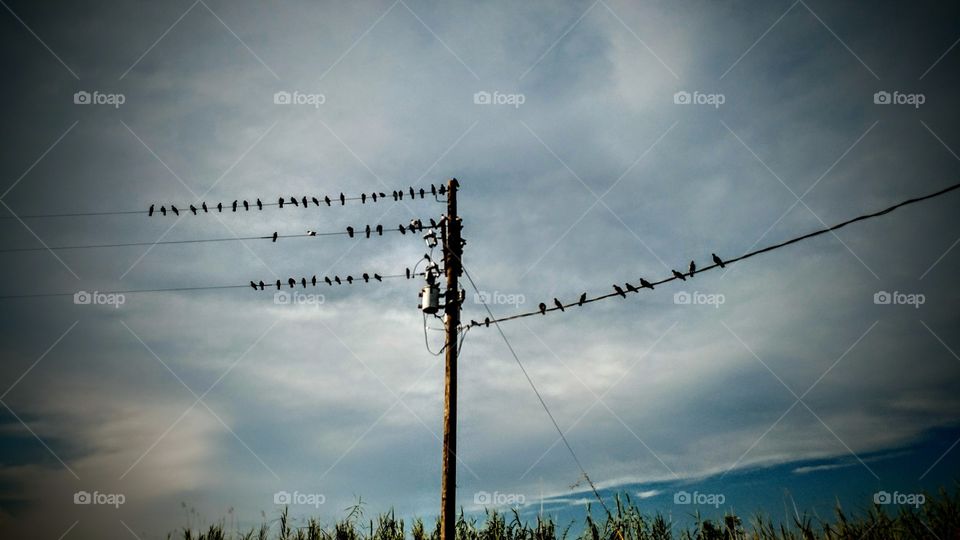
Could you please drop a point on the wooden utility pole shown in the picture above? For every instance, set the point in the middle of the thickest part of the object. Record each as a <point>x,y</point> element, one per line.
<point>452,253</point>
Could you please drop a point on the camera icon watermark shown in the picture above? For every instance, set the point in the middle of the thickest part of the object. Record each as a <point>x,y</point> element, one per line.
<point>82,97</point>
<point>84,298</point>
<point>299,98</point>
<point>297,298</point>
<point>897,298</point>
<point>499,298</point>
<point>715,500</point>
<point>286,498</point>
<point>883,97</point>
<point>497,98</point>
<point>699,98</point>
<point>696,298</point>
<point>915,500</point>
<point>485,498</point>
<point>97,498</point>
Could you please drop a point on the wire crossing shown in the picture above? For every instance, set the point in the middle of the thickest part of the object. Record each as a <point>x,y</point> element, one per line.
<point>621,291</point>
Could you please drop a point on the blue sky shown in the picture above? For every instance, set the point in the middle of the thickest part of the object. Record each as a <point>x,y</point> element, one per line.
<point>601,175</point>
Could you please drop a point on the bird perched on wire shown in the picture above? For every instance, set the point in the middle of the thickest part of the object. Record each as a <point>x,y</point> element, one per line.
<point>337,279</point>
<point>693,268</point>
<point>316,201</point>
<point>374,196</point>
<point>402,229</point>
<point>583,298</point>
<point>718,260</point>
<point>280,202</point>
<point>433,190</point>
<point>163,210</point>
<point>678,275</point>
<point>174,209</point>
<point>262,284</point>
<point>363,198</point>
<point>350,280</point>
<point>343,199</point>
<point>350,231</point>
<point>275,236</point>
<point>311,233</point>
<point>303,281</point>
<point>380,230</point>
<point>368,230</point>
<point>293,200</point>
<point>366,277</point>
<point>313,281</point>
<point>150,211</point>
<point>394,195</point>
<point>408,273</point>
<point>619,291</point>
<point>246,205</point>
<point>254,285</point>
<point>645,283</point>
<point>292,282</point>
<point>559,304</point>
<point>631,288</point>
<point>543,308</point>
<point>259,204</point>
<point>193,209</point>
<point>219,207</point>
<point>278,284</point>
<point>204,206</point>
<point>326,199</point>
<point>327,280</point>
<point>234,205</point>
<point>304,201</point>
<point>423,193</point>
<point>378,277</point>
<point>413,194</point>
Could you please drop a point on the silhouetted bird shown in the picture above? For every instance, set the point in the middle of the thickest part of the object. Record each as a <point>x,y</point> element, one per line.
<point>442,189</point>
<point>262,285</point>
<point>303,281</point>
<point>246,205</point>
<point>327,279</point>
<point>219,207</point>
<point>402,229</point>
<point>163,210</point>
<point>311,233</point>
<point>433,223</point>
<point>380,230</point>
<point>693,268</point>
<point>280,202</point>
<point>631,288</point>
<point>583,298</point>
<point>313,281</point>
<point>350,231</point>
<point>678,275</point>
<point>193,209</point>
<point>619,291</point>
<point>394,195</point>
<point>423,193</point>
<point>234,206</point>
<point>412,193</point>
<point>259,204</point>
<point>292,282</point>
<point>343,199</point>
<point>326,199</point>
<point>366,277</point>
<point>718,260</point>
<point>316,201</point>
<point>378,277</point>
<point>373,196</point>
<point>363,198</point>
<point>543,308</point>
<point>474,323</point>
<point>174,209</point>
<point>408,273</point>
<point>337,279</point>
<point>433,190</point>
<point>645,283</point>
<point>150,211</point>
<point>274,236</point>
<point>486,322</point>
<point>350,280</point>
<point>254,285</point>
<point>368,231</point>
<point>204,206</point>
<point>278,284</point>
<point>304,201</point>
<point>293,200</point>
<point>559,304</point>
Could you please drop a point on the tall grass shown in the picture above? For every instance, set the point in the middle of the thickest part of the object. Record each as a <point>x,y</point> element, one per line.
<point>939,518</point>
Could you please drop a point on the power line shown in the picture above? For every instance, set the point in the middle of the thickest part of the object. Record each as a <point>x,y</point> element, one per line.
<point>650,285</point>
<point>170,289</point>
<point>326,200</point>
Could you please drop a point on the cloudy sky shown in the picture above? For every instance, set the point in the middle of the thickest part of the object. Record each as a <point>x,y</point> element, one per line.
<point>621,140</point>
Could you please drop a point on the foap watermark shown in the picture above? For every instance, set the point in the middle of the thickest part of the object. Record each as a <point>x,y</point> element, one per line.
<point>485,498</point>
<point>915,500</point>
<point>897,298</point>
<point>299,98</point>
<point>297,298</point>
<point>285,498</point>
<point>103,499</point>
<point>715,500</point>
<point>96,97</point>
<point>84,298</point>
<point>899,98</point>
<point>699,98</point>
<point>696,298</point>
<point>498,98</point>
<point>500,299</point>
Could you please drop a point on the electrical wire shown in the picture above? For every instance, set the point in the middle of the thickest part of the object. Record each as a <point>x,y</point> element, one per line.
<point>486,323</point>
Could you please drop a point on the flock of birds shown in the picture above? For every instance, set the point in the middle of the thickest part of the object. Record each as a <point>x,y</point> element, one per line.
<point>397,195</point>
<point>349,280</point>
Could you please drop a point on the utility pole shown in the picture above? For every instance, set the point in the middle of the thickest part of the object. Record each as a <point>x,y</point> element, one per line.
<point>452,254</point>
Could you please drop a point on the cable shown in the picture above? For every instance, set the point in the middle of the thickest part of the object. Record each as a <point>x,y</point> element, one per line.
<point>537,392</point>
<point>171,289</point>
<point>651,285</point>
<point>396,195</point>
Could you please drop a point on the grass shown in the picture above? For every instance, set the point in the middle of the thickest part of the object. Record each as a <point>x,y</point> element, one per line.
<point>938,518</point>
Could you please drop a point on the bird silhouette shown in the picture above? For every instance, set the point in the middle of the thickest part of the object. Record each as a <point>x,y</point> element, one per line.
<point>150,211</point>
<point>234,206</point>
<point>442,189</point>
<point>293,200</point>
<point>474,323</point>
<point>204,206</point>
<point>163,210</point>
<point>280,202</point>
<point>583,298</point>
<point>311,233</point>
<point>337,279</point>
<point>246,206</point>
<point>193,209</point>
<point>543,308</point>
<point>645,283</point>
<point>304,201</point>
<point>363,198</point>
<point>327,279</point>
<point>412,193</point>
<point>316,201</point>
<point>303,281</point>
<point>619,291</point>
<point>368,231</point>
<point>433,223</point>
<point>718,261</point>
<point>374,196</point>
<point>254,285</point>
<point>423,193</point>
<point>402,229</point>
<point>380,230</point>
<point>174,209</point>
<point>326,199</point>
<point>559,304</point>
<point>394,195</point>
<point>259,204</point>
<point>486,322</point>
<point>350,280</point>
<point>378,277</point>
<point>350,231</point>
<point>678,275</point>
<point>693,268</point>
<point>278,284</point>
<point>313,281</point>
<point>433,190</point>
<point>343,199</point>
<point>292,282</point>
<point>219,207</point>
<point>366,277</point>
<point>274,236</point>
<point>408,273</point>
<point>262,285</point>
<point>631,288</point>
